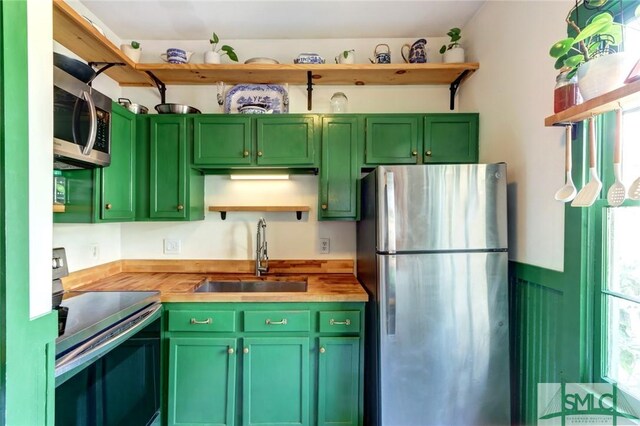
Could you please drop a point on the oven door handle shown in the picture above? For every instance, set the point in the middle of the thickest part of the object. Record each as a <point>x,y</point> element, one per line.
<point>93,125</point>
<point>103,342</point>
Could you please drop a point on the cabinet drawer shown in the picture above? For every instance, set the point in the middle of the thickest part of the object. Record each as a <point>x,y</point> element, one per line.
<point>339,322</point>
<point>276,321</point>
<point>202,321</point>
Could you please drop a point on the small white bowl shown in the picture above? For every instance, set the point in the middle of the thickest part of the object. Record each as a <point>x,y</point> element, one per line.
<point>261,61</point>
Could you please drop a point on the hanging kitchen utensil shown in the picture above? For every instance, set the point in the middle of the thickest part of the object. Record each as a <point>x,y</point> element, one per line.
<point>634,190</point>
<point>589,193</point>
<point>617,191</point>
<point>568,191</point>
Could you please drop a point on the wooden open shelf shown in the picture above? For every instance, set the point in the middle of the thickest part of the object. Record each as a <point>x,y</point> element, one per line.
<point>627,96</point>
<point>78,35</point>
<point>358,74</point>
<point>224,209</point>
<point>58,208</point>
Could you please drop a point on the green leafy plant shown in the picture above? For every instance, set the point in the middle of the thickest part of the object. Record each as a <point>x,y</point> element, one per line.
<point>135,44</point>
<point>599,37</point>
<point>225,49</point>
<point>454,34</point>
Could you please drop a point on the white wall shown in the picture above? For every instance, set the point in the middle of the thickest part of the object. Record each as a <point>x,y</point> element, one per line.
<point>40,99</point>
<point>513,91</point>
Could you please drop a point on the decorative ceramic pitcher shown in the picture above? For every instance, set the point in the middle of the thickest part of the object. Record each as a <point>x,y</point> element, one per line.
<point>417,52</point>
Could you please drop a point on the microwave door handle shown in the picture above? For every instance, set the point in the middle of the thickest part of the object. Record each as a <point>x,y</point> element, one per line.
<point>93,125</point>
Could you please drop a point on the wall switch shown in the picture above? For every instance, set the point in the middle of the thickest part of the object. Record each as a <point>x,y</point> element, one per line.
<point>324,246</point>
<point>172,246</point>
<point>94,251</point>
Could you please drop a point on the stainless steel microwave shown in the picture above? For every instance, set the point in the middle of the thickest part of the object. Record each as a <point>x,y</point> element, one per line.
<point>81,124</point>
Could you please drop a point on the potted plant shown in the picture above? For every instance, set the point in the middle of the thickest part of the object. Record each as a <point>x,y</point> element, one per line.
<point>346,57</point>
<point>132,50</point>
<point>453,52</point>
<point>592,54</point>
<point>214,55</point>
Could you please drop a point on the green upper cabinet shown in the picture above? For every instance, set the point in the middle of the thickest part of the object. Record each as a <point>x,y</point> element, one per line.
<point>275,381</point>
<point>339,169</point>
<point>285,141</point>
<point>202,381</point>
<point>392,139</point>
<point>237,141</point>
<point>339,381</point>
<point>117,183</point>
<point>451,138</point>
<point>222,140</point>
<point>176,191</point>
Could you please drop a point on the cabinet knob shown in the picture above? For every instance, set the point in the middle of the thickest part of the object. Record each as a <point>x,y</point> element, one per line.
<point>414,152</point>
<point>324,207</point>
<point>230,351</point>
<point>108,206</point>
<point>322,350</point>
<point>428,153</point>
<point>259,153</point>
<point>245,154</point>
<point>245,350</point>
<point>180,207</point>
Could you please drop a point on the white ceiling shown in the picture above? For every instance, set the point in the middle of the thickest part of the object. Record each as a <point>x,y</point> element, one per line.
<point>299,19</point>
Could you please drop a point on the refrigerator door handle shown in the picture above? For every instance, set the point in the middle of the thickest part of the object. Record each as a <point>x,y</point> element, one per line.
<point>390,296</point>
<point>391,212</point>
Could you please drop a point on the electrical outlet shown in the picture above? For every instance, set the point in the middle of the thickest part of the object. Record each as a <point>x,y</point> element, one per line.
<point>94,251</point>
<point>324,246</point>
<point>172,246</point>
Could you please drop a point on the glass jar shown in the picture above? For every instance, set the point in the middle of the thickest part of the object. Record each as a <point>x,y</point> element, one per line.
<point>339,102</point>
<point>59,187</point>
<point>566,93</point>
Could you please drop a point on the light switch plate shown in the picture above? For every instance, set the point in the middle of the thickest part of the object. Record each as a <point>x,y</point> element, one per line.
<point>324,245</point>
<point>172,246</point>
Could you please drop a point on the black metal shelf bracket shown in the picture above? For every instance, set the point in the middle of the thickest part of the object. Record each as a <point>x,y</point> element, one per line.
<point>454,88</point>
<point>223,215</point>
<point>162,88</point>
<point>299,215</point>
<point>309,90</point>
<point>105,66</point>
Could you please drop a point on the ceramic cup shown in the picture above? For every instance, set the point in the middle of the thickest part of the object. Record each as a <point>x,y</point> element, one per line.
<point>174,56</point>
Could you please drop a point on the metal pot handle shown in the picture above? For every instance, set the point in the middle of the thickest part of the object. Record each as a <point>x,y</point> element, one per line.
<point>124,101</point>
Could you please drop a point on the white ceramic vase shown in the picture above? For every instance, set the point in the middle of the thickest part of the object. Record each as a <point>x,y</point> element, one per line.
<point>455,54</point>
<point>211,57</point>
<point>133,54</point>
<point>602,74</point>
<point>350,59</point>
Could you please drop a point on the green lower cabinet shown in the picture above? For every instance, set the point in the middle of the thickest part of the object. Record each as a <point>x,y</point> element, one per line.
<point>451,138</point>
<point>202,380</point>
<point>339,170</point>
<point>339,381</point>
<point>275,381</point>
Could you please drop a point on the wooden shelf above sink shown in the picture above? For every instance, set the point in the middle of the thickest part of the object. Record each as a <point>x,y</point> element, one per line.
<point>224,209</point>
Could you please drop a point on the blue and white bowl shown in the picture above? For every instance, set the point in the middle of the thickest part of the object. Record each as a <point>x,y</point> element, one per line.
<point>309,58</point>
<point>253,109</point>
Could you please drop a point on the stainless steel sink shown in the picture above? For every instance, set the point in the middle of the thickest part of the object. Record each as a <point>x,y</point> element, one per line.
<point>251,286</point>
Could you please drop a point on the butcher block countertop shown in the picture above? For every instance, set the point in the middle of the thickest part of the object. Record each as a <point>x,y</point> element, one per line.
<point>327,281</point>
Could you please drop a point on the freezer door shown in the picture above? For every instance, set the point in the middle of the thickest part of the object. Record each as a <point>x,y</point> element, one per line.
<point>443,339</point>
<point>441,207</point>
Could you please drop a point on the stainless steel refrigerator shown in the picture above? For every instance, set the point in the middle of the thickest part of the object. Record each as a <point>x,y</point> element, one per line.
<point>432,253</point>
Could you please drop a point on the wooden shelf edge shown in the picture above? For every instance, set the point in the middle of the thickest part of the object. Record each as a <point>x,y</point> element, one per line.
<point>306,67</point>
<point>294,209</point>
<point>59,208</point>
<point>627,95</point>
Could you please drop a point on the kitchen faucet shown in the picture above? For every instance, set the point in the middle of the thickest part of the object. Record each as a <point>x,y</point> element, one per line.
<point>261,248</point>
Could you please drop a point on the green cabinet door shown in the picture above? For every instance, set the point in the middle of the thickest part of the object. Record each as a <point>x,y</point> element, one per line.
<point>285,141</point>
<point>168,156</point>
<point>202,380</point>
<point>222,141</point>
<point>275,381</point>
<point>339,168</point>
<point>451,138</point>
<point>339,381</point>
<point>392,139</point>
<point>118,180</point>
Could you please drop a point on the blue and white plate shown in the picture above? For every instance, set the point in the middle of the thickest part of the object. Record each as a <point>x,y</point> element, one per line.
<point>274,96</point>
